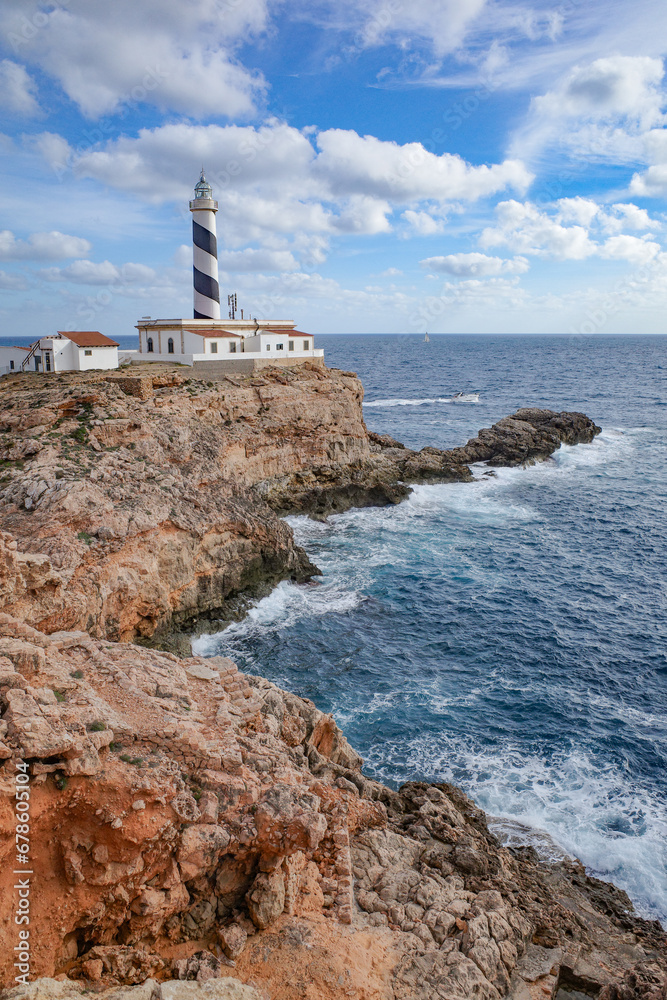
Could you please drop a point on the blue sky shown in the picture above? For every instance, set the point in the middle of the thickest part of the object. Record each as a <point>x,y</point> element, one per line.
<point>380,165</point>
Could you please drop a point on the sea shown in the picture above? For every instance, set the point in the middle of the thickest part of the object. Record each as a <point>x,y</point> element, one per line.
<point>510,634</point>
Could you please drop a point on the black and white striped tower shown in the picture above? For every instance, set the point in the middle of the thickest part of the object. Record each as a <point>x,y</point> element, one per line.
<point>205,252</point>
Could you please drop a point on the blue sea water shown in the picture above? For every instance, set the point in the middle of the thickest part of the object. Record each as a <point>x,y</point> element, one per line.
<point>510,634</point>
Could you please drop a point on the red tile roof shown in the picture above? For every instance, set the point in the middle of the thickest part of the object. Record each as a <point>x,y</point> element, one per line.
<point>87,338</point>
<point>214,333</point>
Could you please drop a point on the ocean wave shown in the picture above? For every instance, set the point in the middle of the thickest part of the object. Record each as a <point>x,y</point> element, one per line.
<point>585,807</point>
<point>281,609</point>
<point>416,402</point>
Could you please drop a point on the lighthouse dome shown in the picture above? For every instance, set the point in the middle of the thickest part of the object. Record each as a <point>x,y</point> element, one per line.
<point>203,189</point>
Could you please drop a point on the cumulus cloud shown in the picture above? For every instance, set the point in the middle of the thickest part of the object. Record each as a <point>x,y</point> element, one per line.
<point>275,180</point>
<point>652,183</point>
<point>601,109</point>
<point>423,223</point>
<point>525,229</point>
<point>403,173</point>
<point>618,86</point>
<point>627,216</point>
<point>17,90</point>
<point>475,265</point>
<point>42,246</point>
<point>528,230</point>
<point>175,56</point>
<point>630,248</point>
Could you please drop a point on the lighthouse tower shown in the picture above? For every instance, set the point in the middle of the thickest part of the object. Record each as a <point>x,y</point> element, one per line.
<point>205,252</point>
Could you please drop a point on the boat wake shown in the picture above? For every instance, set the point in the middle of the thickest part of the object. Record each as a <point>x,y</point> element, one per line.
<point>458,397</point>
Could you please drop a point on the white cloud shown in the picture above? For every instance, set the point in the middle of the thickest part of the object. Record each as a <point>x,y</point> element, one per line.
<point>653,182</point>
<point>404,173</point>
<point>602,110</point>
<point>423,223</point>
<point>363,213</point>
<point>526,230</point>
<point>12,282</point>
<point>173,55</point>
<point>617,86</point>
<point>391,272</point>
<point>478,265</point>
<point>579,210</point>
<point>271,181</point>
<point>628,216</point>
<point>17,90</point>
<point>630,248</point>
<point>42,246</point>
<point>88,272</point>
<point>442,24</point>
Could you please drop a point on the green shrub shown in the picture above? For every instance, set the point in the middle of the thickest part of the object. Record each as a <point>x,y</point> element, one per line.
<point>78,674</point>
<point>96,727</point>
<point>60,695</point>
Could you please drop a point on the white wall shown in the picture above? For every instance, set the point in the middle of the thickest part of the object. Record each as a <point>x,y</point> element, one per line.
<point>96,357</point>
<point>14,354</point>
<point>267,344</point>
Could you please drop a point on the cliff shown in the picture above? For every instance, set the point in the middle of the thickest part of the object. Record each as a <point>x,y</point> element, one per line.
<point>203,833</point>
<point>132,502</point>
<point>198,833</point>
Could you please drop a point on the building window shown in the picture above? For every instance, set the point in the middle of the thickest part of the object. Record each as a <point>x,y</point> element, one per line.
<point>268,347</point>
<point>149,345</point>
<point>47,361</point>
<point>291,345</point>
<point>232,348</point>
<point>306,345</point>
<point>88,354</point>
<point>279,347</point>
<point>38,362</point>
<point>170,346</point>
<point>214,347</point>
<point>11,366</point>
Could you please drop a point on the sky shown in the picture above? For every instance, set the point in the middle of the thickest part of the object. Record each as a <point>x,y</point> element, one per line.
<point>381,166</point>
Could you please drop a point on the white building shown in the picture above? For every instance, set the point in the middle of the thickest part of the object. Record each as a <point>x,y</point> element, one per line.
<point>191,341</point>
<point>74,351</point>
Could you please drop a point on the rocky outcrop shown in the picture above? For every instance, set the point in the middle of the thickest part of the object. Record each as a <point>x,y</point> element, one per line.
<point>529,436</point>
<point>130,502</point>
<point>190,825</point>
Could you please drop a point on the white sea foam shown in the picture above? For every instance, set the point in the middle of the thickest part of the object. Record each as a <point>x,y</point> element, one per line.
<point>587,810</point>
<point>282,608</point>
<point>416,402</point>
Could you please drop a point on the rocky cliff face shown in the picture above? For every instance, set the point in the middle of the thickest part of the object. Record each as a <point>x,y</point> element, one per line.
<point>131,502</point>
<point>203,833</point>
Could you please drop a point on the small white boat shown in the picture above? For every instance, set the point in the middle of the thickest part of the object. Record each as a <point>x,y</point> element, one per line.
<point>465,397</point>
<point>427,339</point>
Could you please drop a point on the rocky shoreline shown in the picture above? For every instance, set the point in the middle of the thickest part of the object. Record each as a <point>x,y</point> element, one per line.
<point>132,504</point>
<point>200,833</point>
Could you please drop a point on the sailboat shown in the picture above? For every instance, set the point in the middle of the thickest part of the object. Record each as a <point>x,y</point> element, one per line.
<point>426,338</point>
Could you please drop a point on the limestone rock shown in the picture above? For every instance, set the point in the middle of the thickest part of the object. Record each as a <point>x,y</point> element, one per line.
<point>266,899</point>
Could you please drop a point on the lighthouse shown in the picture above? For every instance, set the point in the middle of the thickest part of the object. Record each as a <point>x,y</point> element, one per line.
<point>205,252</point>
